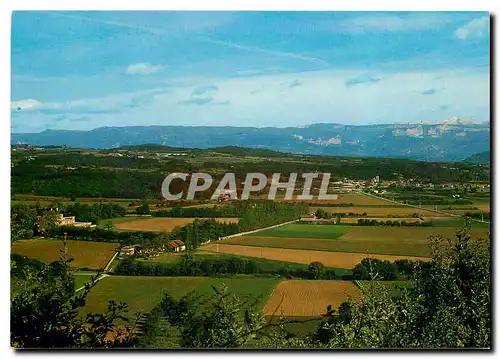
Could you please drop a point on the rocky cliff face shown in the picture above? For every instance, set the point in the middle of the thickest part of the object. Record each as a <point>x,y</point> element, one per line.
<point>450,140</point>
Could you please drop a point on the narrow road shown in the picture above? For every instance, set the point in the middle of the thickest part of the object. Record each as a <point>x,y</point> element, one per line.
<point>104,275</point>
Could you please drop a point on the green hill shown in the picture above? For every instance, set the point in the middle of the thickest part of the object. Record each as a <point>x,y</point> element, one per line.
<point>481,158</point>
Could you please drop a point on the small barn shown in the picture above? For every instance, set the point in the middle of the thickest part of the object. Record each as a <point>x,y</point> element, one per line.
<point>308,218</point>
<point>177,245</point>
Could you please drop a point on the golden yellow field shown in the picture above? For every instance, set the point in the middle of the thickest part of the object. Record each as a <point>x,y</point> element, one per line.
<point>329,259</point>
<point>485,207</point>
<point>92,255</point>
<point>308,298</point>
<point>377,211</point>
<point>162,224</point>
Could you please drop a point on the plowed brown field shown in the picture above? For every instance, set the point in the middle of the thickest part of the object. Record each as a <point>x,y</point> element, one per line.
<point>162,224</point>
<point>304,298</point>
<point>330,259</point>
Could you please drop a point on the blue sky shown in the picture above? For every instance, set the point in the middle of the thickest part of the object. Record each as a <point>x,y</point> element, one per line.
<point>82,70</point>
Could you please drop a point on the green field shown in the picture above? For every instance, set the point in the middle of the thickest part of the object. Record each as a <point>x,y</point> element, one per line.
<point>250,291</point>
<point>143,293</point>
<point>91,255</point>
<point>458,222</point>
<point>140,293</point>
<point>101,223</point>
<point>312,231</point>
<point>81,278</point>
<point>411,241</point>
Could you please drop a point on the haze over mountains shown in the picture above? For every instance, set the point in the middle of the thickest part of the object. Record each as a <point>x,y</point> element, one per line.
<point>450,140</point>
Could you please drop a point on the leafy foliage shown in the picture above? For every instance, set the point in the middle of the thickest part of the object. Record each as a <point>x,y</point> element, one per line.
<point>449,305</point>
<point>44,310</point>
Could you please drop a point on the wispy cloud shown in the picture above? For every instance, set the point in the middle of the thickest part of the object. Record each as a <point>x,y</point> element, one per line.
<point>475,28</point>
<point>108,104</point>
<point>142,68</point>
<point>429,92</point>
<point>197,101</point>
<point>203,101</point>
<point>393,23</point>
<point>322,97</point>
<point>362,80</point>
<point>233,45</point>
<point>290,55</point>
<point>295,83</point>
<point>25,105</point>
<point>112,23</point>
<point>200,90</point>
<point>203,95</point>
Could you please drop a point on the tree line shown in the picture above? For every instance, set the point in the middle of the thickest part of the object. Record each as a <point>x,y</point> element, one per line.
<point>190,265</point>
<point>29,221</point>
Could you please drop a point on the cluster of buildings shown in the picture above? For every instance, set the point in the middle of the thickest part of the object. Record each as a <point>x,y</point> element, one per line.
<point>136,249</point>
<point>70,221</point>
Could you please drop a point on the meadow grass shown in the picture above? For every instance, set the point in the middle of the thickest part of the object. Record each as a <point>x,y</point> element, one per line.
<point>312,231</point>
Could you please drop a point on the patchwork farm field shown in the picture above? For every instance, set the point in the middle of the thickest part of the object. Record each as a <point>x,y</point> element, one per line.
<point>308,298</point>
<point>355,199</point>
<point>162,224</point>
<point>92,255</point>
<point>330,259</point>
<point>143,293</point>
<point>359,244</point>
<point>411,241</point>
<point>378,211</point>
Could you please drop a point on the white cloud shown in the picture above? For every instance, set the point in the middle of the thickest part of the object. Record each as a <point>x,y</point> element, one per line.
<point>393,23</point>
<point>25,105</point>
<point>108,104</point>
<point>267,100</point>
<point>142,68</point>
<point>475,28</point>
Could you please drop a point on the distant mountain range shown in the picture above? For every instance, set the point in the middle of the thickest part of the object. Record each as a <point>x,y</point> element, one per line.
<point>451,140</point>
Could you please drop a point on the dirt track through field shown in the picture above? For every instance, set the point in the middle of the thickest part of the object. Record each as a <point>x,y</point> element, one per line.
<point>163,224</point>
<point>330,259</point>
<point>308,298</point>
